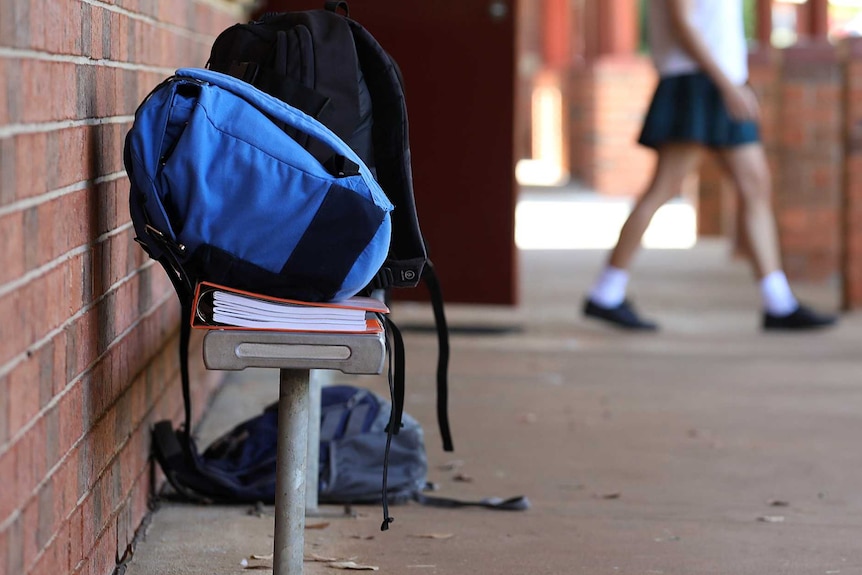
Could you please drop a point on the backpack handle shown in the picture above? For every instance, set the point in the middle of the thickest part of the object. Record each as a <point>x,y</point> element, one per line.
<point>334,6</point>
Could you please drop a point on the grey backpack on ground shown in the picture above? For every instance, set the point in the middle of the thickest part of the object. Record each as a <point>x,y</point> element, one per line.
<point>353,442</point>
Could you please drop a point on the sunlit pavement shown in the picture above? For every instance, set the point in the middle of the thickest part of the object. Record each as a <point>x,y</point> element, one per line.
<point>571,219</point>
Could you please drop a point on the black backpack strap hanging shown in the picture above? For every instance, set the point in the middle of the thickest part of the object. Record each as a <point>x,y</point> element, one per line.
<point>517,503</point>
<point>409,264</point>
<point>433,284</point>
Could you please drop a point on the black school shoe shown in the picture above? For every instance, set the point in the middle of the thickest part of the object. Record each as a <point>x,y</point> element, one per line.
<point>622,316</point>
<point>802,318</point>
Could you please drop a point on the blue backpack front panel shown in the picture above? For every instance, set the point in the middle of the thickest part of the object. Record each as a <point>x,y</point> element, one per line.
<point>213,170</point>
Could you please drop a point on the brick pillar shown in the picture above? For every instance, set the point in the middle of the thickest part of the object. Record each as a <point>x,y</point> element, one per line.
<point>813,19</point>
<point>557,34</point>
<point>611,27</point>
<point>819,18</point>
<point>712,203</point>
<point>808,156</point>
<point>764,22</point>
<point>609,97</point>
<point>852,201</point>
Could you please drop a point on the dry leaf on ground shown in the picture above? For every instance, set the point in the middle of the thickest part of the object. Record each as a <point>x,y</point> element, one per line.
<point>613,495</point>
<point>352,566</point>
<point>323,525</point>
<point>528,418</point>
<point>314,557</point>
<point>434,535</point>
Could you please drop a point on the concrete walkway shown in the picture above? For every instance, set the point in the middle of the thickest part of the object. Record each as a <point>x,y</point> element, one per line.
<point>707,448</point>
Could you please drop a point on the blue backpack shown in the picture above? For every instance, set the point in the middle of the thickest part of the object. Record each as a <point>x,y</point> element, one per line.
<point>219,192</point>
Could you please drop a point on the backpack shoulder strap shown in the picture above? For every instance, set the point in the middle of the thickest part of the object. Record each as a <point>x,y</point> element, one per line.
<point>409,263</point>
<point>392,158</point>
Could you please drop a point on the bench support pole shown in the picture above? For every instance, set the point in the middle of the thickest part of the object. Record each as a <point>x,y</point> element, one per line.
<point>295,354</point>
<point>291,466</point>
<point>315,386</point>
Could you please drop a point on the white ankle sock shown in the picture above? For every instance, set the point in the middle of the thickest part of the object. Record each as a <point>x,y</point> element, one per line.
<point>778,298</point>
<point>610,288</point>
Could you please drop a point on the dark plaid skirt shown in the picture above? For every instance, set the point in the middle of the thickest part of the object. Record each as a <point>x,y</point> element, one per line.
<point>689,108</point>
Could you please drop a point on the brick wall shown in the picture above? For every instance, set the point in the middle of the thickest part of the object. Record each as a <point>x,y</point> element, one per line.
<point>88,337</point>
<point>852,198</point>
<point>609,98</point>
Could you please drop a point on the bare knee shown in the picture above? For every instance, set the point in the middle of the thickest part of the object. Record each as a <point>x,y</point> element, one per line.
<point>748,169</point>
<point>755,187</point>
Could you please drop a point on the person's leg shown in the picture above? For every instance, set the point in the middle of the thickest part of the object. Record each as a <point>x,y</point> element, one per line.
<point>747,167</point>
<point>606,299</point>
<point>748,170</point>
<point>675,162</point>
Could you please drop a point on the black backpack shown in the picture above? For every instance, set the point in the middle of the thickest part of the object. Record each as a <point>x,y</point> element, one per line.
<point>328,66</point>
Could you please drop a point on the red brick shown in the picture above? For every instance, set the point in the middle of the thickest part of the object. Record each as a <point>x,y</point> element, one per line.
<point>52,238</point>
<point>59,360</point>
<point>31,155</point>
<point>4,414</point>
<point>74,288</point>
<point>53,559</point>
<point>19,465</point>
<point>80,229</point>
<point>112,26</point>
<point>89,524</point>
<point>12,327</point>
<point>35,440</point>
<point>75,539</point>
<point>15,542</point>
<point>4,552</point>
<point>30,523</point>
<point>47,521</point>
<point>55,310</point>
<point>9,500</point>
<point>124,469</point>
<point>4,106</point>
<point>81,338</point>
<point>23,394</point>
<point>69,483</point>
<point>71,409</point>
<point>102,440</point>
<point>103,557</point>
<point>75,156</point>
